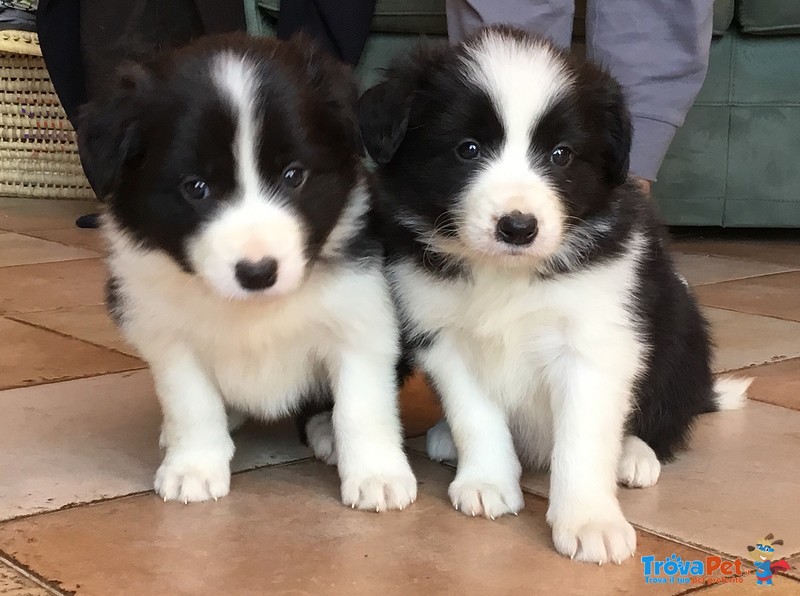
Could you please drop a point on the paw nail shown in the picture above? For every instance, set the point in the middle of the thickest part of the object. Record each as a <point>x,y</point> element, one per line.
<point>491,517</point>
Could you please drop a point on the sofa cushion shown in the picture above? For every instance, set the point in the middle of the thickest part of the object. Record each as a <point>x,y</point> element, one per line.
<point>394,16</point>
<point>769,17</point>
<point>723,16</point>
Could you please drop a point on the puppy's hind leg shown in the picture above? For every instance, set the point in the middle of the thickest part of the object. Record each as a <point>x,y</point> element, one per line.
<point>439,442</point>
<point>638,465</point>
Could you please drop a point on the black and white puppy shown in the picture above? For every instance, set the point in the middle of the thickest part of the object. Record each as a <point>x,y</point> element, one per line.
<point>533,282</point>
<point>241,264</point>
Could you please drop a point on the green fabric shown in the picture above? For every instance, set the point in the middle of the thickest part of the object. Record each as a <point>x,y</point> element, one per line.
<point>723,16</point>
<point>766,70</point>
<point>769,17</point>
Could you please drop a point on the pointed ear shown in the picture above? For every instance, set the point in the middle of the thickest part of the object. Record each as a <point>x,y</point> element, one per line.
<point>108,130</point>
<point>751,548</point>
<point>779,541</point>
<point>769,536</point>
<point>383,112</point>
<point>335,82</point>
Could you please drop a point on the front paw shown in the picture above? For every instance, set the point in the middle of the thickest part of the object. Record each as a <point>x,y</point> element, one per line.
<point>599,538</point>
<point>389,489</point>
<point>638,466</point>
<point>486,496</point>
<point>192,476</point>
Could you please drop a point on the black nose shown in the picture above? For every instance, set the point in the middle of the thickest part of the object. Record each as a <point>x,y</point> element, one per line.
<point>517,228</point>
<point>257,275</point>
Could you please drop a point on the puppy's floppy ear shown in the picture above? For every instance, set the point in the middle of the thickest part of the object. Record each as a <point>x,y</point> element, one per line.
<point>617,132</point>
<point>607,110</point>
<point>383,112</point>
<point>108,130</point>
<point>334,82</point>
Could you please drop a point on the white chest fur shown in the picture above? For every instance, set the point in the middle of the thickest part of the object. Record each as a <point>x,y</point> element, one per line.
<point>509,328</point>
<point>261,354</point>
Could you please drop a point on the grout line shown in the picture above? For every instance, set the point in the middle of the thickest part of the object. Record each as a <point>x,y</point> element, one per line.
<point>98,257</point>
<point>29,574</point>
<point>753,314</point>
<point>14,317</point>
<point>743,278</point>
<point>32,234</point>
<point>139,493</point>
<point>75,378</point>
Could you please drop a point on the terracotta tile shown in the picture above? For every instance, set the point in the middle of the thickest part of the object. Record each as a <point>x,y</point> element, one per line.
<point>97,438</point>
<point>16,249</point>
<point>49,286</point>
<point>419,406</point>
<point>24,215</point>
<point>706,269</point>
<point>777,383</point>
<point>744,340</point>
<point>73,236</point>
<point>14,583</point>
<point>29,355</point>
<point>772,295</point>
<point>283,530</point>
<point>728,488</point>
<point>781,586</point>
<point>89,323</point>
<point>755,248</point>
<point>794,572</point>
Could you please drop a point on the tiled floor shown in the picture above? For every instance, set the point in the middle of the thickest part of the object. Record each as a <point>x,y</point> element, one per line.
<point>78,448</point>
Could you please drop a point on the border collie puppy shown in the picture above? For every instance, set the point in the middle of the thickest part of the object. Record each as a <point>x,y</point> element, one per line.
<point>241,264</point>
<point>533,282</point>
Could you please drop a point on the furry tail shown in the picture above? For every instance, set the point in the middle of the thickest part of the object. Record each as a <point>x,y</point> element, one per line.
<point>730,393</point>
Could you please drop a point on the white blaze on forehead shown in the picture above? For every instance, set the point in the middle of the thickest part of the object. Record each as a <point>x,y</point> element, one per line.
<point>524,78</point>
<point>236,79</point>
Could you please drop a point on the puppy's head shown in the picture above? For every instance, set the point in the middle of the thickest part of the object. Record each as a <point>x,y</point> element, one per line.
<point>498,148</point>
<point>235,156</point>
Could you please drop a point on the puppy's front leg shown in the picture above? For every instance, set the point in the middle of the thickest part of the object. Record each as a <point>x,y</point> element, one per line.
<point>373,467</point>
<point>487,479</point>
<point>194,433</point>
<point>590,402</point>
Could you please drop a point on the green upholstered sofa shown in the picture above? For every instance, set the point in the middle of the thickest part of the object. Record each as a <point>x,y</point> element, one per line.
<point>736,160</point>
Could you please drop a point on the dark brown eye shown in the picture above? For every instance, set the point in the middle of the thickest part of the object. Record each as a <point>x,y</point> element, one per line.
<point>294,176</point>
<point>194,188</point>
<point>561,156</point>
<point>469,150</point>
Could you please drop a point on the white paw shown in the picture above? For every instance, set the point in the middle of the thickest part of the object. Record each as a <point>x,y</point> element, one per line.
<point>319,432</point>
<point>439,443</point>
<point>193,475</point>
<point>598,539</point>
<point>392,489</point>
<point>638,466</point>
<point>487,497</point>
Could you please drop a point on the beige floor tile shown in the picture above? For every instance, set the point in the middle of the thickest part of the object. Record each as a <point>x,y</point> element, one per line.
<point>283,530</point>
<point>786,252</point>
<point>74,236</point>
<point>49,286</point>
<point>772,295</point>
<point>16,249</point>
<point>781,586</point>
<point>24,215</point>
<point>90,439</point>
<point>29,355</point>
<point>14,583</point>
<point>90,323</point>
<point>744,340</point>
<point>729,488</point>
<point>777,383</point>
<point>707,269</point>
